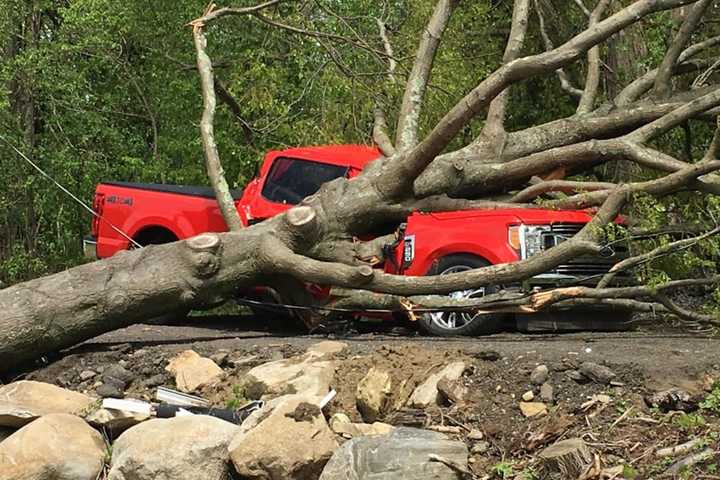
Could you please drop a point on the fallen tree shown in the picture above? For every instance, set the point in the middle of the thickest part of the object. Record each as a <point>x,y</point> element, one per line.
<point>317,241</point>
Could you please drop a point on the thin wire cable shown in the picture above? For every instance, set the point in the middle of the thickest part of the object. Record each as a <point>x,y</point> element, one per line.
<point>70,194</point>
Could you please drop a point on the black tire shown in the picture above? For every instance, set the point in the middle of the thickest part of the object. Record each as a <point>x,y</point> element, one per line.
<point>439,323</point>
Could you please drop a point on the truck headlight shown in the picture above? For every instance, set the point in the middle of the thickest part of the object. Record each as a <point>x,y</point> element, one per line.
<point>528,240</point>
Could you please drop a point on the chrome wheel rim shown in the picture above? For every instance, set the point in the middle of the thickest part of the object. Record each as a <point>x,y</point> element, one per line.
<point>456,320</point>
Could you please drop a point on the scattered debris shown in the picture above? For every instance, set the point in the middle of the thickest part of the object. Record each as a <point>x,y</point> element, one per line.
<point>528,396</point>
<point>681,449</point>
<point>193,371</point>
<point>688,462</point>
<point>673,399</point>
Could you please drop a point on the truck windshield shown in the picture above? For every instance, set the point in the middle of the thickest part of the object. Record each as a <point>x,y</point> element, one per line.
<point>290,179</point>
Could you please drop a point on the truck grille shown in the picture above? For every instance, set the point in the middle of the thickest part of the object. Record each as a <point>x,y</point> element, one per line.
<point>586,265</point>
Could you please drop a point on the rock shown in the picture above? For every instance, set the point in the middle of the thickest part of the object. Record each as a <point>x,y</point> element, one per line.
<point>193,371</point>
<point>221,358</point>
<point>328,348</point>
<point>475,435</point>
<point>154,381</point>
<point>373,394</point>
<point>23,401</point>
<point>673,399</point>
<point>452,391</point>
<point>303,374</point>
<point>528,396</point>
<point>114,421</point>
<point>117,374</point>
<point>480,448</point>
<point>403,453</point>
<point>110,390</point>
<point>547,393</point>
<point>87,375</point>
<point>427,392</point>
<point>576,376</point>
<point>240,361</point>
<point>180,448</point>
<point>58,446</point>
<point>293,442</point>
<point>597,373</point>
<point>539,375</point>
<point>489,355</point>
<point>342,425</point>
<point>533,409</point>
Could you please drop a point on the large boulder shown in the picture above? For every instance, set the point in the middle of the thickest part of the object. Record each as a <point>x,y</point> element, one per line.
<point>373,394</point>
<point>309,375</point>
<point>193,371</point>
<point>292,442</point>
<point>24,401</point>
<point>426,393</point>
<point>58,446</point>
<point>180,448</point>
<point>403,453</point>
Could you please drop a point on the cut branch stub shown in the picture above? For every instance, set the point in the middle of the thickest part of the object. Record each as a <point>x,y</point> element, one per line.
<point>302,219</point>
<point>204,254</point>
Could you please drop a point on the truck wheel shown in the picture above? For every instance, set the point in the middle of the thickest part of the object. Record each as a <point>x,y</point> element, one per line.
<point>461,323</point>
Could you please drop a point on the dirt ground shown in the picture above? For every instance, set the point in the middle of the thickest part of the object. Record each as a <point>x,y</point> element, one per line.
<point>620,427</point>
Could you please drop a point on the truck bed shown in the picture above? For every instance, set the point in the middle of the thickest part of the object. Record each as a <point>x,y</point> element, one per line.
<point>190,190</point>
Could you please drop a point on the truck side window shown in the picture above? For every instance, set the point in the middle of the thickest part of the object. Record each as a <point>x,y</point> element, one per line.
<point>290,179</point>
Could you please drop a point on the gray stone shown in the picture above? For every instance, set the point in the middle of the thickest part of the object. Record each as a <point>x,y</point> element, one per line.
<point>539,375</point>
<point>87,375</point>
<point>403,453</point>
<point>57,446</point>
<point>117,374</point>
<point>110,390</point>
<point>181,448</point>
<point>597,373</point>
<point>480,447</point>
<point>547,393</point>
<point>154,381</point>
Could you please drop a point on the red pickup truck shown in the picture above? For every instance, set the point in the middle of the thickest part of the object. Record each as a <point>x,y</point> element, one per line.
<point>433,243</point>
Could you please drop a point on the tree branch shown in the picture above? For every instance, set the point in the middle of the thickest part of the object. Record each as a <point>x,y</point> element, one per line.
<point>663,87</point>
<point>565,186</point>
<point>409,166</point>
<point>212,158</point>
<point>565,82</point>
<point>592,79</point>
<point>409,116</point>
<point>492,137</point>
